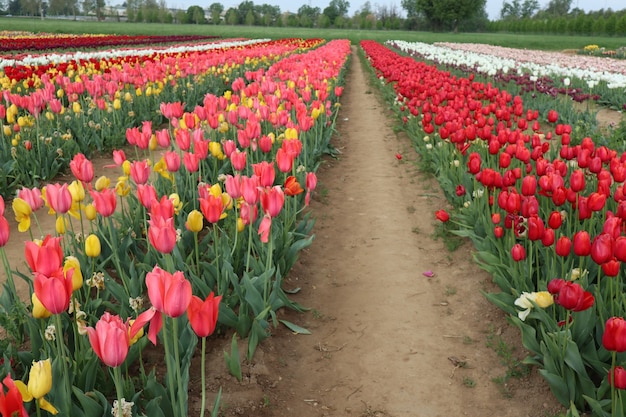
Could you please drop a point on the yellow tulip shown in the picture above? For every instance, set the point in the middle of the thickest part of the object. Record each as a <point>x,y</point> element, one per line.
<point>102,183</point>
<point>77,277</point>
<point>22,212</point>
<point>126,167</point>
<point>90,212</point>
<point>544,299</point>
<point>77,190</point>
<point>122,188</point>
<point>178,205</point>
<point>195,221</point>
<point>39,384</point>
<point>76,107</point>
<point>39,311</point>
<point>92,246</point>
<point>240,225</point>
<point>60,225</point>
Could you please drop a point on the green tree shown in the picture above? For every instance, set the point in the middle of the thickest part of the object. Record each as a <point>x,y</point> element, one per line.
<point>308,15</point>
<point>195,15</point>
<point>216,10</point>
<point>243,9</point>
<point>610,25</point>
<point>232,17</point>
<point>448,14</point>
<point>335,9</point>
<point>558,7</point>
<point>529,8</point>
<point>620,26</point>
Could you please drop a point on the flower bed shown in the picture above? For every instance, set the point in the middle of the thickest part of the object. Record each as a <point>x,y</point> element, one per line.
<point>545,210</point>
<point>205,219</point>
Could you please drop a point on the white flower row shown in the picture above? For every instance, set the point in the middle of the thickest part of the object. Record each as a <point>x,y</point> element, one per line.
<point>490,60</point>
<point>116,53</point>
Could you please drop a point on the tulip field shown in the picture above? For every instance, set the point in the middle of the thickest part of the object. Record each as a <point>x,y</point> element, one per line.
<point>215,145</point>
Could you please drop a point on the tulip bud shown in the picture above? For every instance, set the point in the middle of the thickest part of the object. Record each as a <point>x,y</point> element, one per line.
<point>40,378</point>
<point>90,212</point>
<point>194,221</point>
<point>60,225</point>
<point>77,277</point>
<point>92,246</point>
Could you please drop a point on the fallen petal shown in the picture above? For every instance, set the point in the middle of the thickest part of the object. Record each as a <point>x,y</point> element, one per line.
<point>428,274</point>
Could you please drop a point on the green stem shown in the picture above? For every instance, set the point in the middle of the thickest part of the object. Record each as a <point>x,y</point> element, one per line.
<point>203,376</point>
<point>613,357</point>
<point>118,389</point>
<point>216,243</point>
<point>179,379</point>
<point>268,265</point>
<point>168,361</point>
<point>61,357</point>
<point>249,247</point>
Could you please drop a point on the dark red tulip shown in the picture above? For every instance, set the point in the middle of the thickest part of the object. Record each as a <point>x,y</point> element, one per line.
<point>563,246</point>
<point>460,191</point>
<point>582,243</point>
<point>518,252</point>
<point>536,228</point>
<point>572,297</point>
<point>611,267</point>
<point>614,337</point>
<point>602,248</point>
<point>617,377</point>
<point>555,285</point>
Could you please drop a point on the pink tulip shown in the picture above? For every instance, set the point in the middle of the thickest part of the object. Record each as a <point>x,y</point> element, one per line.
<point>272,200</point>
<point>172,161</point>
<point>264,228</point>
<point>146,194</point>
<point>82,168</point>
<point>265,171</point>
<point>104,201</point>
<point>212,207</point>
<point>162,234</point>
<point>58,197</point>
<point>54,290</point>
<point>140,172</point>
<point>32,197</point>
<point>110,339</point>
<point>46,258</point>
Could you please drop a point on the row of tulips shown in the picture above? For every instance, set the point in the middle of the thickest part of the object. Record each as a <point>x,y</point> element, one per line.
<point>196,234</point>
<point>82,106</point>
<point>546,216</point>
<point>550,73</point>
<point>31,42</point>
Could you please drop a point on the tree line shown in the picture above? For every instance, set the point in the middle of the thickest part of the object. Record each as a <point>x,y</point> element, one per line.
<point>518,16</point>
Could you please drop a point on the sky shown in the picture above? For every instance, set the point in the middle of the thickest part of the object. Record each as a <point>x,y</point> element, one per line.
<point>493,6</point>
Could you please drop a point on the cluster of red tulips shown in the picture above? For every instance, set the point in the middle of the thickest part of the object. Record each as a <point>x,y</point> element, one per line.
<point>545,209</point>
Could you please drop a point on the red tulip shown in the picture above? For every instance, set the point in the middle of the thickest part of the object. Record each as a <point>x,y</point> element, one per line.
<point>284,161</point>
<point>498,231</point>
<point>577,181</point>
<point>529,185</point>
<point>110,339</point>
<point>518,252</point>
<point>54,290</point>
<point>442,216</point>
<point>212,207</point>
<point>265,171</point>
<point>460,190</point>
<point>582,243</point>
<point>614,337</point>
<point>611,267</point>
<point>203,314</point>
<point>45,258</point>
<point>264,228</point>
<point>596,201</point>
<point>82,168</point>
<point>172,161</point>
<point>548,237</point>
<point>555,220</point>
<point>146,194</point>
<point>536,228</point>
<point>617,377</point>
<point>399,156</point>
<point>602,248</point>
<point>563,246</point>
<point>619,248</point>
<point>238,160</point>
<point>553,116</point>
<point>11,403</point>
<point>474,162</point>
<point>191,162</point>
<point>555,285</point>
<point>572,297</point>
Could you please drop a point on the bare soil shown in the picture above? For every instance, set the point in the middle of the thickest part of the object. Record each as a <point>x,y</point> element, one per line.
<point>386,340</point>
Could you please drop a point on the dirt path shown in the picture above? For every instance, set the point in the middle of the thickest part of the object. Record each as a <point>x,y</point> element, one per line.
<point>385,338</point>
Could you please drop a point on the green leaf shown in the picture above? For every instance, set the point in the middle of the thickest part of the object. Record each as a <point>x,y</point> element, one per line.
<point>88,405</point>
<point>529,335</point>
<point>232,359</point>
<point>294,327</point>
<point>253,296</point>
<point>598,406</point>
<point>557,386</point>
<point>216,404</point>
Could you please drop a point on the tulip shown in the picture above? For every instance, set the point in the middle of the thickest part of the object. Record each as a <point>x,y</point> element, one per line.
<point>442,216</point>
<point>162,234</point>
<point>194,221</point>
<point>140,171</point>
<point>614,337</point>
<point>555,220</point>
<point>92,246</point>
<point>536,228</point>
<point>203,314</point>
<point>617,377</point>
<point>518,252</point>
<point>553,116</point>
<point>39,311</point>
<point>71,262</point>
<point>22,212</point>
<point>582,243</point>
<point>54,291</point>
<point>11,400</point>
<point>265,228</point>
<point>238,160</point>
<point>45,257</point>
<point>265,171</point>
<point>563,246</point>
<point>212,207</point>
<point>292,186</point>
<point>58,198</point>
<point>572,297</point>
<point>110,339</point>
<point>611,267</point>
<point>272,200</point>
<point>104,201</point>
<point>82,168</point>
<point>5,231</point>
<point>602,248</point>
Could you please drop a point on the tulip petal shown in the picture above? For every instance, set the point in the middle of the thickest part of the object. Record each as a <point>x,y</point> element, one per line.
<point>45,405</point>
